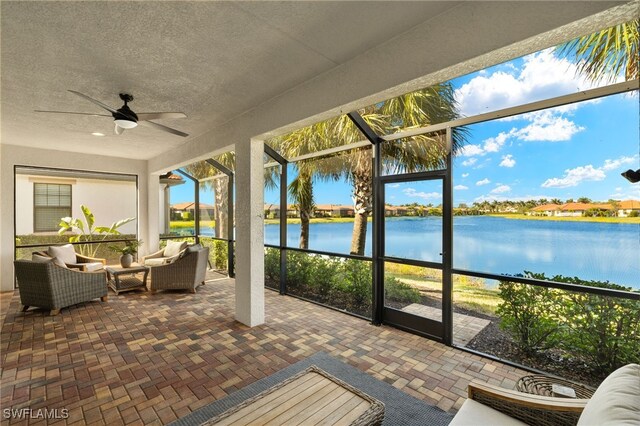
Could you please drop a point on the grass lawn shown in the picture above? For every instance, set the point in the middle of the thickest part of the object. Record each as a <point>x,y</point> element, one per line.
<point>176,224</point>
<point>313,220</point>
<point>468,292</point>
<point>569,219</point>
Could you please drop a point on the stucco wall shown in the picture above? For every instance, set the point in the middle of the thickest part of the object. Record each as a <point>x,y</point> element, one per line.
<point>109,201</point>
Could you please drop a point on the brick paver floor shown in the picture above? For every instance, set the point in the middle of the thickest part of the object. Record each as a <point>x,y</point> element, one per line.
<point>150,359</point>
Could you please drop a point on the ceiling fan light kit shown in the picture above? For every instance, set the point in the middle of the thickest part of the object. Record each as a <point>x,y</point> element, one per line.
<point>124,118</point>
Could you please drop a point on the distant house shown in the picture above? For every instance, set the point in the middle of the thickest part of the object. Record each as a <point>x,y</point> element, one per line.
<point>271,211</point>
<point>333,210</point>
<point>187,210</point>
<point>395,211</point>
<point>626,207</point>
<point>573,209</point>
<point>544,210</point>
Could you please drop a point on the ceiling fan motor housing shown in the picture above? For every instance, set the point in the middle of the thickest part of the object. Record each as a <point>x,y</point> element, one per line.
<point>125,113</point>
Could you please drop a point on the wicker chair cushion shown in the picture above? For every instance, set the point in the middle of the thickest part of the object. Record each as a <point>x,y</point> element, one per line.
<point>616,401</point>
<point>44,259</point>
<point>473,413</point>
<point>155,262</point>
<point>92,266</point>
<point>173,248</point>
<point>66,253</point>
<point>41,259</point>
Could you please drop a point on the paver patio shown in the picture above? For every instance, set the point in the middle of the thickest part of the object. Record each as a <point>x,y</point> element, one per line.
<point>465,327</point>
<point>150,359</point>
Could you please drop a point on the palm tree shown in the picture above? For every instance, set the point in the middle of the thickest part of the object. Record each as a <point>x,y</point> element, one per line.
<point>605,54</point>
<point>201,170</point>
<point>435,104</point>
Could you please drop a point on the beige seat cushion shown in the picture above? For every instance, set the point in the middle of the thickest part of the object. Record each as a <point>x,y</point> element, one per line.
<point>159,261</point>
<point>173,248</point>
<point>92,266</point>
<point>66,253</point>
<point>472,413</point>
<point>616,401</point>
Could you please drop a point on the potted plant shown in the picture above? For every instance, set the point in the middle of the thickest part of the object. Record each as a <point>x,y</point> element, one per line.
<point>130,248</point>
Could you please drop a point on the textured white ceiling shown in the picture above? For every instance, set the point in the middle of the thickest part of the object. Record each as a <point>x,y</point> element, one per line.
<point>211,60</point>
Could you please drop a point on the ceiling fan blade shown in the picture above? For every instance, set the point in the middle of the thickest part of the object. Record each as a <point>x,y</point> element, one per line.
<point>70,112</point>
<point>167,129</point>
<point>118,130</point>
<point>82,95</point>
<point>158,115</point>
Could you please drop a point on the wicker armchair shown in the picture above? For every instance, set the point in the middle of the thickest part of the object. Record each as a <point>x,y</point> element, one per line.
<point>46,285</point>
<point>67,255</point>
<point>186,273</point>
<point>616,401</point>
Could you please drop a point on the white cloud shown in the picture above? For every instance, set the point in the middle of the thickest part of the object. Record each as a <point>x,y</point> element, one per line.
<point>394,185</point>
<point>614,164</point>
<point>548,125</point>
<point>460,187</point>
<point>507,161</point>
<point>493,197</point>
<point>469,162</point>
<point>484,181</point>
<point>542,76</point>
<point>471,150</point>
<point>500,189</point>
<point>573,177</point>
<point>411,192</point>
<point>464,175</point>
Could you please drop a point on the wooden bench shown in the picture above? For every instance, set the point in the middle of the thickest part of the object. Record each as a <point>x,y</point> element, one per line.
<point>310,397</point>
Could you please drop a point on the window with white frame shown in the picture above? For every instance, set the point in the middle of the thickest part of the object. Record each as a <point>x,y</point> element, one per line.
<point>51,201</point>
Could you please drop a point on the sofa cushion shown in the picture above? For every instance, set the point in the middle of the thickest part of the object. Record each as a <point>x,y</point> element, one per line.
<point>473,413</point>
<point>616,401</point>
<point>66,253</point>
<point>173,248</point>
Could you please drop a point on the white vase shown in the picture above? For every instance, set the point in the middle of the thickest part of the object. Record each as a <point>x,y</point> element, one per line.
<point>126,260</point>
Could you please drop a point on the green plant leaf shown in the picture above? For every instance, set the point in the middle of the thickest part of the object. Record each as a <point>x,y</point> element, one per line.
<point>88,216</point>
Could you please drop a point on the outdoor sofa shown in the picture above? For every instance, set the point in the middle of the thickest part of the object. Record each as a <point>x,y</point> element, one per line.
<point>44,284</point>
<point>615,402</point>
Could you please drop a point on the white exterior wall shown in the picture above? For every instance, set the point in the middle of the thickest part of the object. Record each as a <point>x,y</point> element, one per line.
<point>108,200</point>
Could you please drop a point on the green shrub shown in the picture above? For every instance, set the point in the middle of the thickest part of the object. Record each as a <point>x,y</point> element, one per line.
<point>398,291</point>
<point>356,280</point>
<point>604,331</point>
<point>272,265</point>
<point>601,331</point>
<point>526,312</point>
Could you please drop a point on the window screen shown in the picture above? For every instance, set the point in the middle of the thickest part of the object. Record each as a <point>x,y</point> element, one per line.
<point>51,202</point>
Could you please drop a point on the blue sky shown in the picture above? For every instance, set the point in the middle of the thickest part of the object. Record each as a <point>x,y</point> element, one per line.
<point>572,151</point>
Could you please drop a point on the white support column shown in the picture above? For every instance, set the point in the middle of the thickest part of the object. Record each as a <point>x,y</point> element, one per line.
<point>249,232</point>
<point>149,224</point>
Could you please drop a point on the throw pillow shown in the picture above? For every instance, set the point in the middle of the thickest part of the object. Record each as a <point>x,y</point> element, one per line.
<point>57,261</point>
<point>173,248</point>
<point>66,253</point>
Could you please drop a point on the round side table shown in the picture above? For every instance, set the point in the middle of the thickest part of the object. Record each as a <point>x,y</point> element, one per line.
<point>538,384</point>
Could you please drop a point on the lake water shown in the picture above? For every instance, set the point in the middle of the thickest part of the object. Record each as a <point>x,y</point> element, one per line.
<point>588,250</point>
<point>593,251</point>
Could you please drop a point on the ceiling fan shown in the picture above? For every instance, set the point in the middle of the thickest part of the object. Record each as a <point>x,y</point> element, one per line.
<point>124,118</point>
